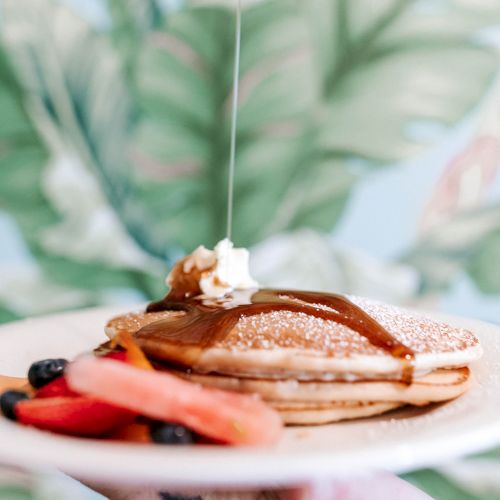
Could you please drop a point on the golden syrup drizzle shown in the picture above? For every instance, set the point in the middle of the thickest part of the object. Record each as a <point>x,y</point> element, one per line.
<point>208,322</point>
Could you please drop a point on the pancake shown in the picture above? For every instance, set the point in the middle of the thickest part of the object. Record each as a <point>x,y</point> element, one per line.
<point>334,412</point>
<point>440,385</point>
<point>315,357</point>
<point>286,344</point>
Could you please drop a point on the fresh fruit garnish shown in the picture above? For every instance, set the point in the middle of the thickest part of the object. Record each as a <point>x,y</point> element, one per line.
<point>134,354</point>
<point>135,432</point>
<point>79,416</point>
<point>116,355</point>
<point>225,416</point>
<point>8,402</point>
<point>58,387</point>
<point>43,372</point>
<point>168,433</point>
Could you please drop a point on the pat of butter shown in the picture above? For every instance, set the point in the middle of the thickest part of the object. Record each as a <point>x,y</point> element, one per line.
<point>221,270</point>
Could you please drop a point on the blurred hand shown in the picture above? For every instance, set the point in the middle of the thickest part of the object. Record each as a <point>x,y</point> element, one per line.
<point>380,486</point>
<point>377,486</point>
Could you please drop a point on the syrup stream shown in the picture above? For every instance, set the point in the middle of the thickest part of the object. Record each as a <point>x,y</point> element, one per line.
<point>234,116</point>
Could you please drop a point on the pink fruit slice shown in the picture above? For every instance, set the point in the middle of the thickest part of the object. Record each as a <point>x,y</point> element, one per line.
<point>225,416</point>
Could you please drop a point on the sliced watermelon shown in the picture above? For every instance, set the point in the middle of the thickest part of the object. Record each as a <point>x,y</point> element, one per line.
<point>224,416</point>
<point>79,416</point>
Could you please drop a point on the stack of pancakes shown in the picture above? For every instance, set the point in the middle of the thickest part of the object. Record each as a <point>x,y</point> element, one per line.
<point>313,370</point>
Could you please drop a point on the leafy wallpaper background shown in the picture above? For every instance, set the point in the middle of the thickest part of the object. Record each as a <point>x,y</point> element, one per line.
<point>114,142</point>
<point>367,158</point>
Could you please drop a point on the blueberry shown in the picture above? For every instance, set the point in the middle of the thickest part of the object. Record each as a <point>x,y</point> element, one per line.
<point>166,433</point>
<point>8,401</point>
<point>43,372</point>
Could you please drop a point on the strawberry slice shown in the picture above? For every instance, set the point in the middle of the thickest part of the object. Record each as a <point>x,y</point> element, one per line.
<point>79,416</point>
<point>56,388</point>
<point>221,415</point>
<point>116,355</point>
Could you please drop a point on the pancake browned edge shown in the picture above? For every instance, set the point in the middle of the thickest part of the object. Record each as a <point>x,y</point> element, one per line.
<point>315,371</point>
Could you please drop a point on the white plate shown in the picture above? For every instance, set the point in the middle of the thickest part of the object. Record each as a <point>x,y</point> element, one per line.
<point>398,441</point>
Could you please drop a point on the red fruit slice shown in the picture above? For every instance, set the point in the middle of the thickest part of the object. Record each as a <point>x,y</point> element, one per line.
<point>133,433</point>
<point>225,416</point>
<point>116,355</point>
<point>56,388</point>
<point>80,416</point>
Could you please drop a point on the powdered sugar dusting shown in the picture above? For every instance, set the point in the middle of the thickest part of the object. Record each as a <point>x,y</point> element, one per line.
<point>132,322</point>
<point>283,329</point>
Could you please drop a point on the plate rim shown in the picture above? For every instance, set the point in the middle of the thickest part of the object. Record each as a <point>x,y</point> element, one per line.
<point>294,467</point>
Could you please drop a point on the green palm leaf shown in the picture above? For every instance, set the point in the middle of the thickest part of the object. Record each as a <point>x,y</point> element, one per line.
<point>184,78</point>
<point>132,20</point>
<point>484,264</point>
<point>22,155</point>
<point>58,209</point>
<point>146,124</point>
<point>330,82</point>
<point>389,67</point>
<point>469,241</point>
